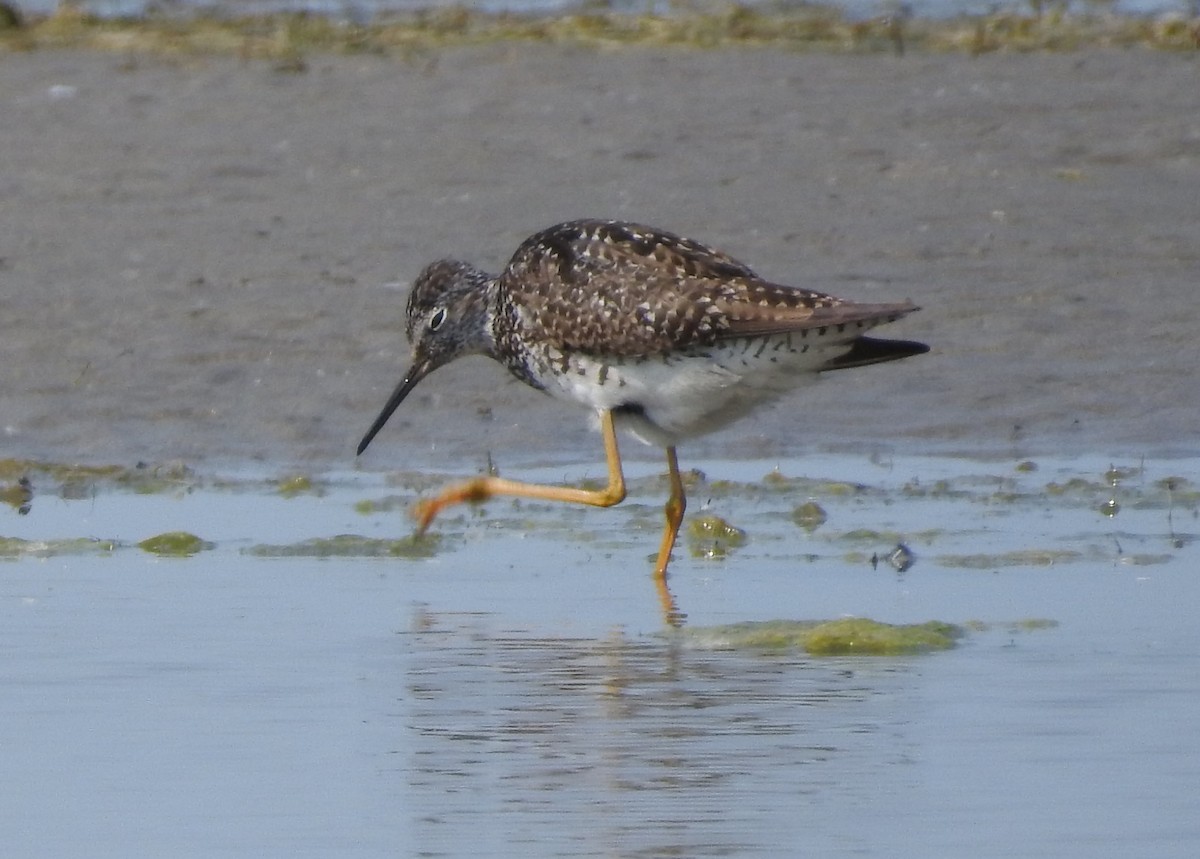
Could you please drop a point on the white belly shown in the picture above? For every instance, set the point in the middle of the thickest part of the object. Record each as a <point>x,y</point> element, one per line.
<point>664,399</point>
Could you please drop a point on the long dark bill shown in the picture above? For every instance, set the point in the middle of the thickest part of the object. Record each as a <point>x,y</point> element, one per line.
<point>414,375</point>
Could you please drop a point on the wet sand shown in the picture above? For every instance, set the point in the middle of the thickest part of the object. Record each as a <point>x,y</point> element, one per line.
<point>206,260</point>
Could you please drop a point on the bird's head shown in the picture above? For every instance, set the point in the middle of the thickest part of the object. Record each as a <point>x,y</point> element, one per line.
<point>447,318</point>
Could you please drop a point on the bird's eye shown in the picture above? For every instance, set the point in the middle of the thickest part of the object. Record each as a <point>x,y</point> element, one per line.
<point>435,321</point>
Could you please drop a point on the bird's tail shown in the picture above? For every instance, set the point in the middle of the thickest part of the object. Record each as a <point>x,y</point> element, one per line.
<point>874,350</point>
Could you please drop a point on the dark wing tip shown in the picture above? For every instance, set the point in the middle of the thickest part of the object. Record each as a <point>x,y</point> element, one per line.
<point>875,350</point>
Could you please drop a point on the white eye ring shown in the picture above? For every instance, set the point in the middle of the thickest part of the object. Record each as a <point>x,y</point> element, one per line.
<point>438,318</point>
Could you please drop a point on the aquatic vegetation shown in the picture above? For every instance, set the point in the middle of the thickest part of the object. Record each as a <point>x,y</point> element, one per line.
<point>18,495</point>
<point>1115,475</point>
<point>869,536</point>
<point>840,489</point>
<point>287,38</point>
<point>942,489</point>
<point>174,544</point>
<point>711,536</point>
<point>1050,517</point>
<point>14,469</point>
<point>1146,559</point>
<point>13,548</point>
<point>1174,484</point>
<point>1018,558</point>
<point>775,477</point>
<point>1075,486</point>
<point>352,546</point>
<point>844,636</point>
<point>77,481</point>
<point>810,516</point>
<point>387,504</point>
<point>870,637</point>
<point>296,484</point>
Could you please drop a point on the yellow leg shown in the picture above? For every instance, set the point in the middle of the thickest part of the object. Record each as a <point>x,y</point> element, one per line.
<point>483,488</point>
<point>676,505</point>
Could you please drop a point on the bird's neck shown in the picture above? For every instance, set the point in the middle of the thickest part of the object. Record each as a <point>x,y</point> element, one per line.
<point>491,308</point>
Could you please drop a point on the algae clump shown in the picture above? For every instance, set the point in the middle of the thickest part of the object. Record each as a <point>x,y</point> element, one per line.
<point>713,537</point>
<point>810,516</point>
<point>352,546</point>
<point>12,548</point>
<point>864,636</point>
<point>174,544</point>
<point>845,636</point>
<point>296,484</point>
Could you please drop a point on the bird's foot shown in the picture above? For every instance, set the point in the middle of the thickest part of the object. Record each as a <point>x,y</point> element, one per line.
<point>427,509</point>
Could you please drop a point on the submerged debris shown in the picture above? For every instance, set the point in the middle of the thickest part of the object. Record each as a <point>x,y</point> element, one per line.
<point>901,558</point>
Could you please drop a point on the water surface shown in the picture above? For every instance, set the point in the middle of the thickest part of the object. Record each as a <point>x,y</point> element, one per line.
<point>511,692</point>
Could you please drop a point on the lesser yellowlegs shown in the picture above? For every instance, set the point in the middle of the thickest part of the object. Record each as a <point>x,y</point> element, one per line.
<point>656,333</point>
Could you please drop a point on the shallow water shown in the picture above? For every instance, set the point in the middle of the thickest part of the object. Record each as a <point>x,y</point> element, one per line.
<point>510,691</point>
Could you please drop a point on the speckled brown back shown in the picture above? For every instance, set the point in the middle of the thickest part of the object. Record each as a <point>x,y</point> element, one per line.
<point>615,288</point>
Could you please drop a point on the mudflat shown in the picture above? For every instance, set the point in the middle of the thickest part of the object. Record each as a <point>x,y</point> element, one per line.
<point>207,259</point>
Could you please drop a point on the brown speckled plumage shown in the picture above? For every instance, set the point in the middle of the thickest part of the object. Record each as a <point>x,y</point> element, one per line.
<point>625,290</point>
<point>653,332</point>
<point>590,310</point>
